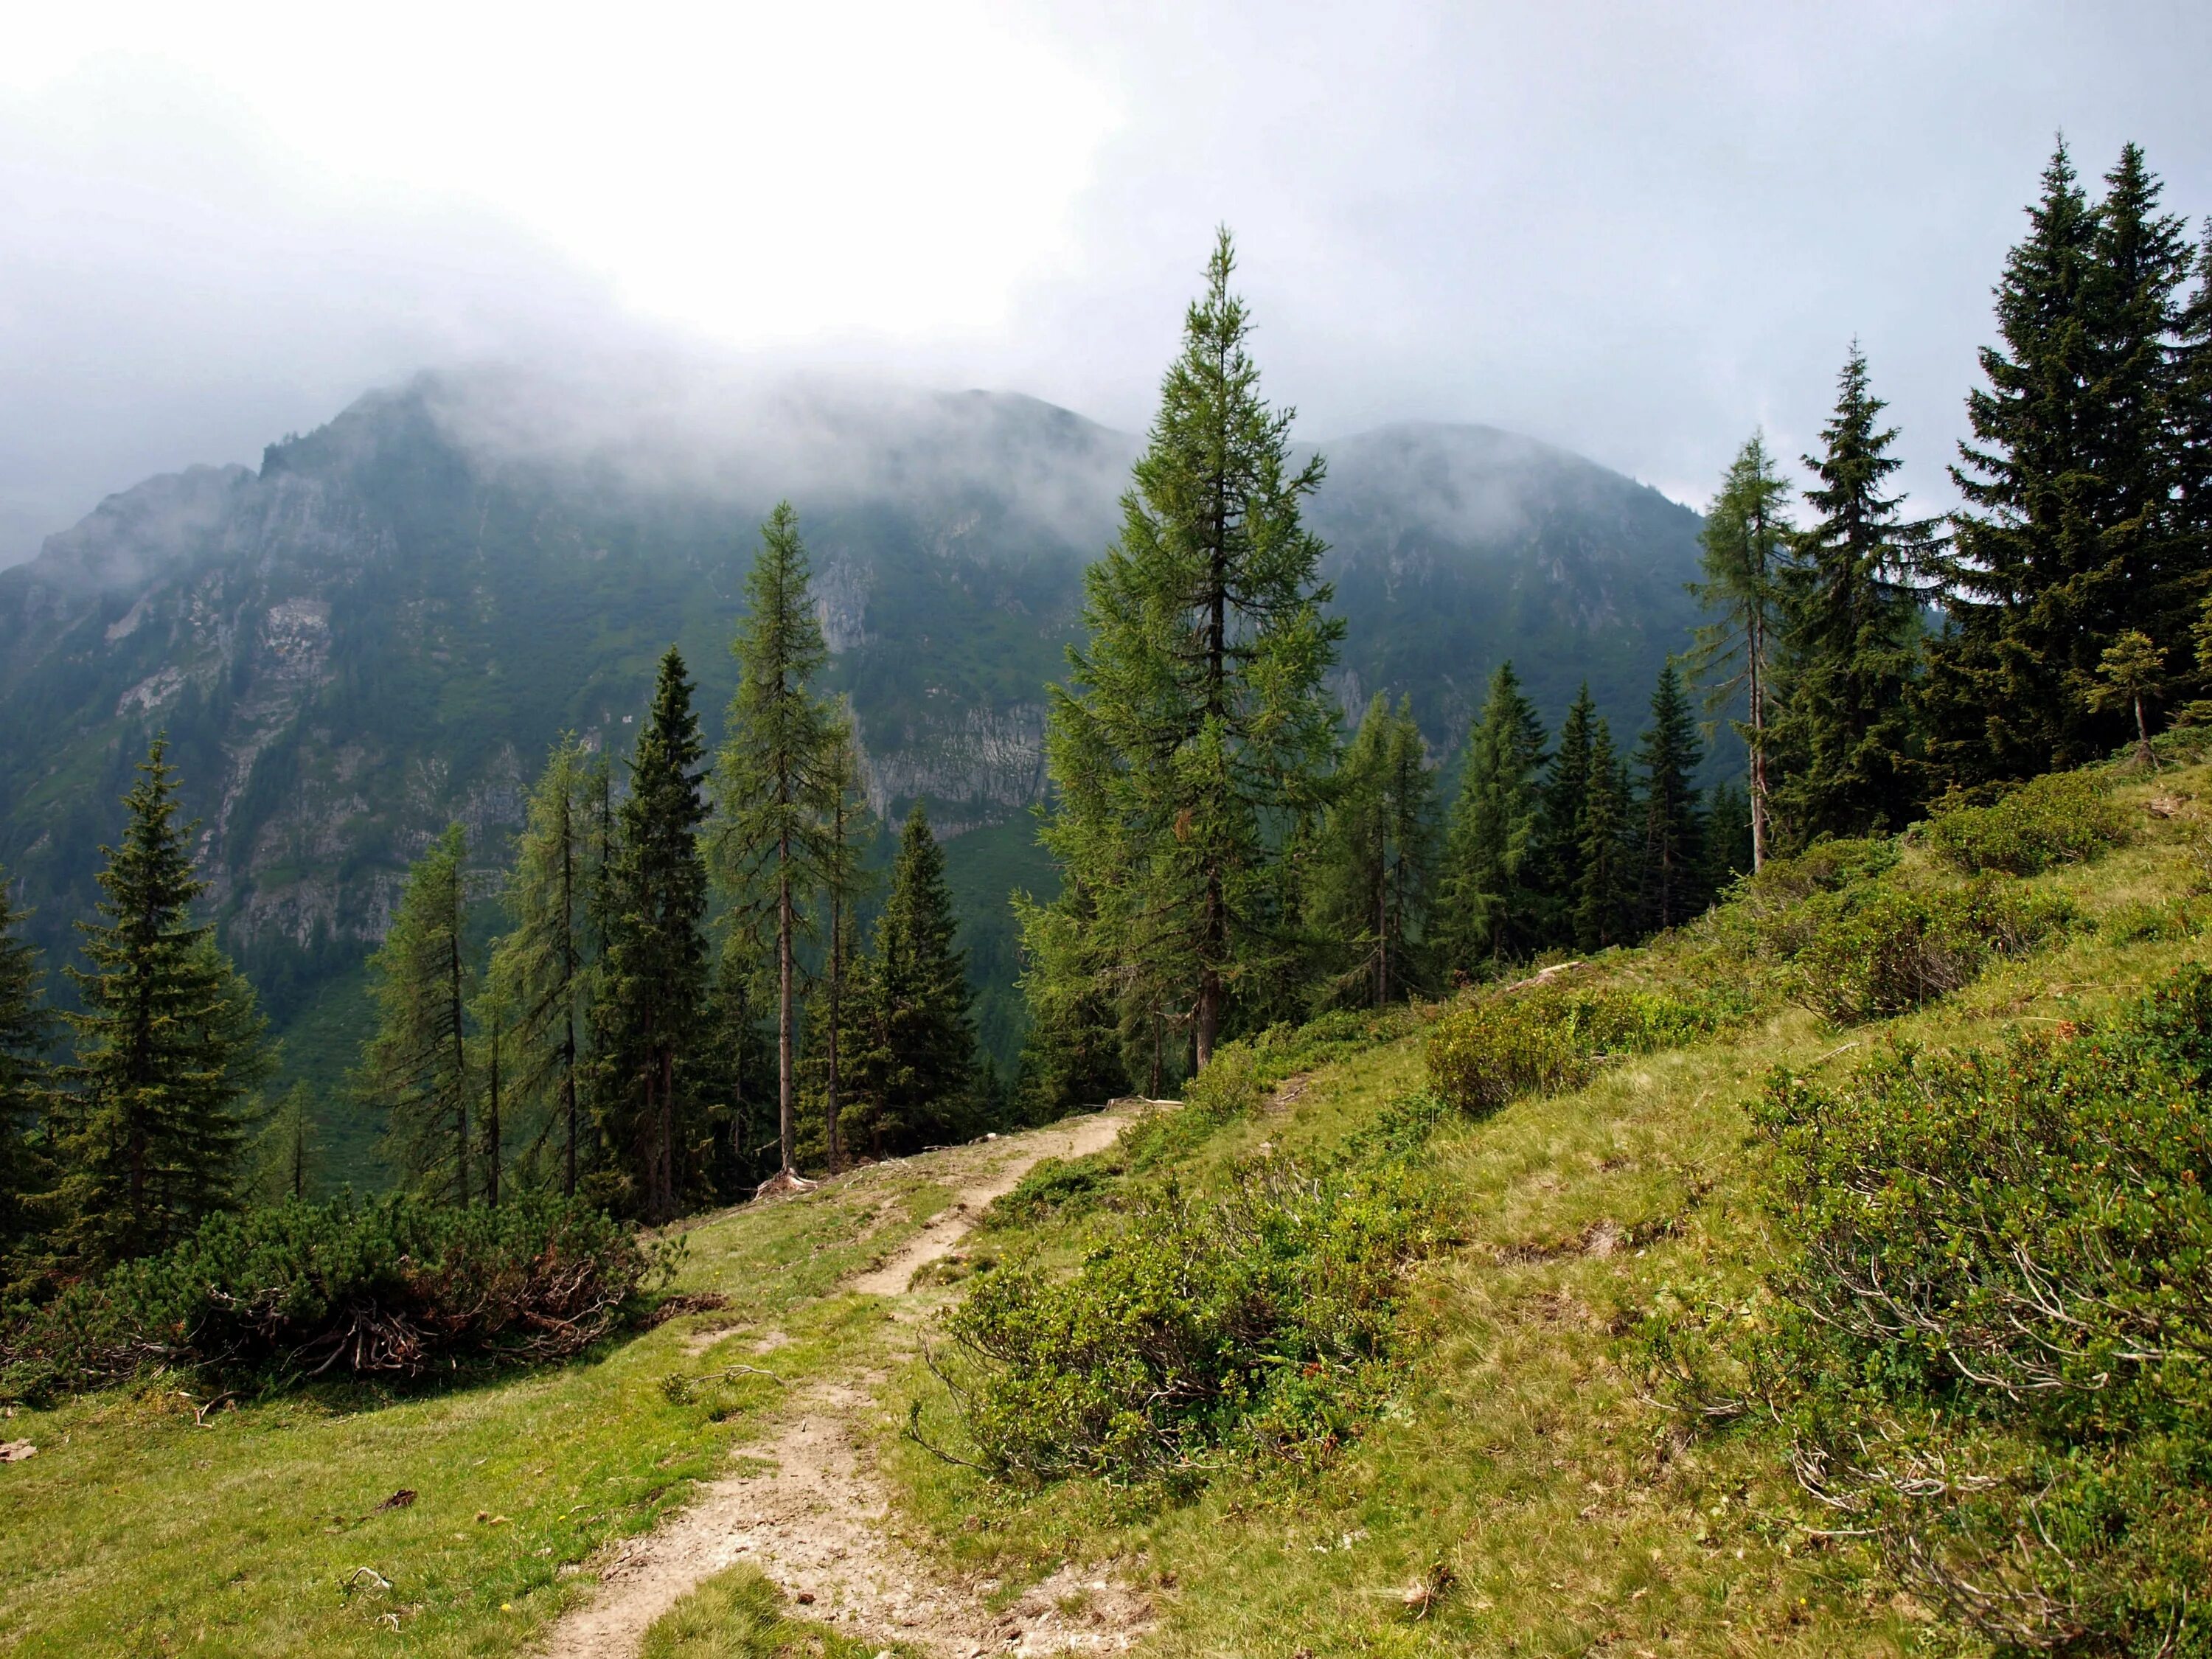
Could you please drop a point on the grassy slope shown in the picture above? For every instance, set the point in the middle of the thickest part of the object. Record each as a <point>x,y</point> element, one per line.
<point>1572,1517</point>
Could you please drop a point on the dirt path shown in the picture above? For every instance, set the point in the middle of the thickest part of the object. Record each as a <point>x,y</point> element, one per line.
<point>814,1519</point>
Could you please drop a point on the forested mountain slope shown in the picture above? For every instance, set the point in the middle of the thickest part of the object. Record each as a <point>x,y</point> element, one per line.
<point>381,629</point>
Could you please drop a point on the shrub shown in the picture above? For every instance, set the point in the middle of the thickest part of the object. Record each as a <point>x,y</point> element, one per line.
<point>2066,818</point>
<point>1053,1186</point>
<point>1549,1037</point>
<point>1879,950</point>
<point>1826,866</point>
<point>1998,1321</point>
<point>1262,1318</point>
<point>397,1289</point>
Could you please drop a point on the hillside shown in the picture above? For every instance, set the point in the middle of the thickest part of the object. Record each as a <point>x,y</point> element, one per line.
<point>1511,1467</point>
<point>381,629</point>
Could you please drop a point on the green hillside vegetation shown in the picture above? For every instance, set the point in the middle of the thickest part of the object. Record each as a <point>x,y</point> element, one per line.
<point>1517,1425</point>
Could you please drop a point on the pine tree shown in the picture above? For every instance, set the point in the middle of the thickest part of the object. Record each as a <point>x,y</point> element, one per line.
<point>415,1066</point>
<point>1562,818</point>
<point>545,966</point>
<point>1196,705</point>
<point>1488,908</point>
<point>1370,875</point>
<point>915,1076</point>
<point>771,844</point>
<point>652,989</point>
<point>169,1048</point>
<point>1672,869</point>
<point>1605,891</point>
<point>25,1027</point>
<point>1747,550</point>
<point>1853,637</point>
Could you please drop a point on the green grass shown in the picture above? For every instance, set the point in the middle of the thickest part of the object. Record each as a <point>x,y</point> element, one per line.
<point>738,1614</point>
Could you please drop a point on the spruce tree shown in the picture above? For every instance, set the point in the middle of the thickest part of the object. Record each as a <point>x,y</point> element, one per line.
<point>1488,908</point>
<point>652,989</point>
<point>1562,817</point>
<point>771,844</point>
<point>169,1048</point>
<point>733,1072</point>
<point>843,879</point>
<point>1370,874</point>
<point>545,965</point>
<point>1605,889</point>
<point>2189,445</point>
<point>1746,551</point>
<point>25,1028</point>
<point>1729,852</point>
<point>415,1069</point>
<point>914,1077</point>
<point>1671,871</point>
<point>1195,732</point>
<point>1853,638</point>
<point>2131,675</point>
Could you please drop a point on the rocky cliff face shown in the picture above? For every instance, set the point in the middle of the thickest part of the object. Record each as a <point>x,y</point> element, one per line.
<point>382,629</point>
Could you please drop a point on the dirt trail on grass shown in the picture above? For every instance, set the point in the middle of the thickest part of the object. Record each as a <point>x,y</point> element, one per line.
<point>807,1505</point>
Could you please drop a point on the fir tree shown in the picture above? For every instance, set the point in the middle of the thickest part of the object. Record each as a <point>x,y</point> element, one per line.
<point>915,1076</point>
<point>771,842</point>
<point>1854,632</point>
<point>1370,883</point>
<point>1605,889</point>
<point>25,1027</point>
<point>169,1048</point>
<point>1747,541</point>
<point>1562,812</point>
<point>1197,704</point>
<point>654,979</point>
<point>1672,870</point>
<point>1488,908</point>
<point>415,1066</point>
<point>545,965</point>
<point>2131,676</point>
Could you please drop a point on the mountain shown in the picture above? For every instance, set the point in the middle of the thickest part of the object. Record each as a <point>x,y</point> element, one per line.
<point>381,629</point>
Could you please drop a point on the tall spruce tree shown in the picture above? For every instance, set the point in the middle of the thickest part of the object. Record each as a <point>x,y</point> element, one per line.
<point>1672,871</point>
<point>1562,819</point>
<point>415,1069</point>
<point>1853,640</point>
<point>25,1029</point>
<point>545,964</point>
<point>1746,552</point>
<point>771,844</point>
<point>1605,888</point>
<point>1370,874</point>
<point>1488,908</point>
<point>1196,705</point>
<point>169,1045</point>
<point>652,990</point>
<point>914,1078</point>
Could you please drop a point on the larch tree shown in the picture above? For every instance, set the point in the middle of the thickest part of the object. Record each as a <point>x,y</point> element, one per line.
<point>771,843</point>
<point>290,1150</point>
<point>1487,905</point>
<point>652,997</point>
<point>414,1067</point>
<point>169,1048</point>
<point>1197,697</point>
<point>1852,646</point>
<point>1746,553</point>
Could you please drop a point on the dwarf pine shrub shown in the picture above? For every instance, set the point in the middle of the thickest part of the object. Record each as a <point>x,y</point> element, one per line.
<point>2065,817</point>
<point>1549,1037</point>
<point>396,1289</point>
<point>1878,950</point>
<point>1995,1350</point>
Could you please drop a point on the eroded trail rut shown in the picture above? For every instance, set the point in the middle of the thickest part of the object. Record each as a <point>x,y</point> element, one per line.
<point>814,1518</point>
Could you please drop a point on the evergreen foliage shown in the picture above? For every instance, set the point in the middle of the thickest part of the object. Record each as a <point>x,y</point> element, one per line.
<point>1370,875</point>
<point>416,1067</point>
<point>844,882</point>
<point>771,845</point>
<point>914,1074</point>
<point>1192,736</point>
<point>1562,819</point>
<point>169,1049</point>
<point>25,1029</point>
<point>1487,905</point>
<point>1605,891</point>
<point>1852,643</point>
<point>1672,872</point>
<point>653,983</point>
<point>290,1154</point>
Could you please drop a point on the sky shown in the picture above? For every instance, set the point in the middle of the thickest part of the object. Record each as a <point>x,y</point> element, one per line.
<point>1637,231</point>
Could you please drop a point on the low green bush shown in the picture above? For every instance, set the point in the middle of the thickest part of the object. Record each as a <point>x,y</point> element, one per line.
<point>1260,1319</point>
<point>1551,1037</point>
<point>1825,866</point>
<point>1995,1349</point>
<point>2065,817</point>
<point>1053,1186</point>
<point>1879,950</point>
<point>398,1290</point>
